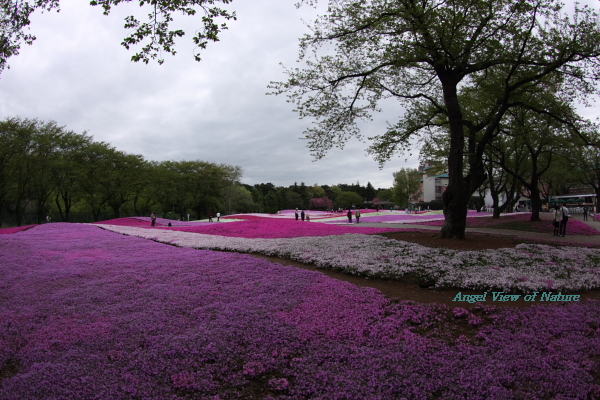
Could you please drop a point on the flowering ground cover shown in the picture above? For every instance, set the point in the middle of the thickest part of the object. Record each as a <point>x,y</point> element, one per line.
<point>6,231</point>
<point>400,217</point>
<point>288,214</point>
<point>521,222</point>
<point>276,228</point>
<point>89,314</point>
<point>137,221</point>
<point>526,268</point>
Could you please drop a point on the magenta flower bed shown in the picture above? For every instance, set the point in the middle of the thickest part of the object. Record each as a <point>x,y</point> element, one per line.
<point>90,314</point>
<point>128,222</point>
<point>145,222</point>
<point>401,217</point>
<point>290,214</point>
<point>574,227</point>
<point>277,228</point>
<point>6,231</point>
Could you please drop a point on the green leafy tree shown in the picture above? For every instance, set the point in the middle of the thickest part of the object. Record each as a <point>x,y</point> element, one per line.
<point>294,200</point>
<point>316,191</point>
<point>65,174</point>
<point>231,179</point>
<point>407,186</point>
<point>95,167</point>
<point>542,138</point>
<point>126,179</point>
<point>385,194</point>
<point>44,158</point>
<point>16,169</point>
<point>272,202</point>
<point>424,54</point>
<point>348,200</point>
<point>369,192</point>
<point>155,36</point>
<point>146,199</point>
<point>333,192</point>
<point>585,162</point>
<point>500,181</point>
<point>242,200</point>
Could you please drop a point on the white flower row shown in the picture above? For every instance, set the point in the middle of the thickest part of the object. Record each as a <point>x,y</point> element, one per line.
<point>526,268</point>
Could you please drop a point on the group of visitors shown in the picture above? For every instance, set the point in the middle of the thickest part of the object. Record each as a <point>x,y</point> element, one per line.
<point>303,215</point>
<point>561,217</point>
<point>210,216</point>
<point>356,214</point>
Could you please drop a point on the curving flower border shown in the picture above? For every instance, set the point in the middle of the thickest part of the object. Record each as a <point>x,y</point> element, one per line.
<point>526,268</point>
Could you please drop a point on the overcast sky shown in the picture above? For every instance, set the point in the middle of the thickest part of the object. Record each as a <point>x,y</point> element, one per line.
<point>79,75</point>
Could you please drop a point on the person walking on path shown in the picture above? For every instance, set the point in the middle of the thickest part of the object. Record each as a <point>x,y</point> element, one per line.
<point>218,216</point>
<point>564,211</point>
<point>557,219</point>
<point>585,213</point>
<point>307,217</point>
<point>153,219</point>
<point>349,216</point>
<point>296,214</point>
<point>302,215</point>
<point>210,217</point>
<point>357,215</point>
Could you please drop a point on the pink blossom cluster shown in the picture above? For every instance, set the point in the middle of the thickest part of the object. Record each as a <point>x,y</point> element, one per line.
<point>574,227</point>
<point>6,231</point>
<point>89,314</point>
<point>137,221</point>
<point>290,214</point>
<point>276,228</point>
<point>526,268</point>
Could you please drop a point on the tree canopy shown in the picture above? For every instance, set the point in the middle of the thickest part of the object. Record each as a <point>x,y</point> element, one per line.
<point>407,186</point>
<point>157,35</point>
<point>426,54</point>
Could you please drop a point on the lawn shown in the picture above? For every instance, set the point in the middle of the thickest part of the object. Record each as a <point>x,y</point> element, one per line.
<point>89,313</point>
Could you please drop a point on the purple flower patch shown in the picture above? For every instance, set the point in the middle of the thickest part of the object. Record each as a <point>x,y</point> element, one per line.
<point>90,314</point>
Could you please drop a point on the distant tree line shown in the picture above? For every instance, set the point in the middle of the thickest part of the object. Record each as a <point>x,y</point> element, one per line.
<point>46,169</point>
<point>268,198</point>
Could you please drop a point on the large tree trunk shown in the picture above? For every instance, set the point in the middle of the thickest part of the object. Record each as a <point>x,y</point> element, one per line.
<point>455,200</point>
<point>456,196</point>
<point>536,203</point>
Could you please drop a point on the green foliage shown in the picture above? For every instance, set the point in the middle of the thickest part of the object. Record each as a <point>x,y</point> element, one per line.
<point>407,186</point>
<point>316,192</point>
<point>156,35</point>
<point>424,54</point>
<point>41,161</point>
<point>385,194</point>
<point>294,200</point>
<point>349,200</point>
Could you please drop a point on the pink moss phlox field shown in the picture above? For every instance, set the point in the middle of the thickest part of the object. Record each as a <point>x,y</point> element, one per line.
<point>90,314</point>
<point>166,222</point>
<point>145,222</point>
<point>7,231</point>
<point>402,217</point>
<point>570,268</point>
<point>277,228</point>
<point>574,227</point>
<point>137,221</point>
<point>291,214</point>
